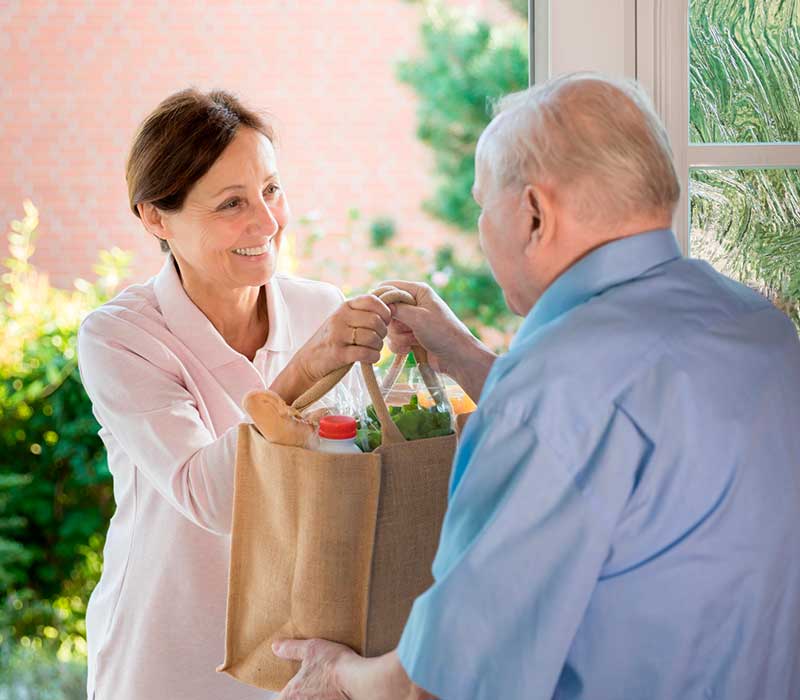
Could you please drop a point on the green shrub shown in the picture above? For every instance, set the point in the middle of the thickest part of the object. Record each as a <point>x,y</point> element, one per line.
<point>55,489</point>
<point>29,673</point>
<point>381,231</point>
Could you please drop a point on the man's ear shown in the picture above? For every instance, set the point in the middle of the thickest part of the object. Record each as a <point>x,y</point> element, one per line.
<point>537,204</point>
<point>154,220</point>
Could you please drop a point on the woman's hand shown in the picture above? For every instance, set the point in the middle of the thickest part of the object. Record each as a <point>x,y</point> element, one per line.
<point>354,333</point>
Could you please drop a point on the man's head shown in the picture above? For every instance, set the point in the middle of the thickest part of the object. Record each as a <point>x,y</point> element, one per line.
<point>563,168</point>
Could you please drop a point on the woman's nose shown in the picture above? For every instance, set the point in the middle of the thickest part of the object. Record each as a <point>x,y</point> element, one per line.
<point>267,223</point>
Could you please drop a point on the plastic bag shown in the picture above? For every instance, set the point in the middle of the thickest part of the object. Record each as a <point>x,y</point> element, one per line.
<point>348,398</point>
<point>416,396</point>
<point>417,403</point>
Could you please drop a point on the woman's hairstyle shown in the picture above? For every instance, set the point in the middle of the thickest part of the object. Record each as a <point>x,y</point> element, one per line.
<point>597,138</point>
<point>178,143</point>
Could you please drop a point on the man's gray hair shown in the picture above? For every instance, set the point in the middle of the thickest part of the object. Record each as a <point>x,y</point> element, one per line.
<point>596,140</point>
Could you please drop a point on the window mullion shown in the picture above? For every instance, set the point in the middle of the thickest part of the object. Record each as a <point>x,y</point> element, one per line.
<point>745,155</point>
<point>662,66</point>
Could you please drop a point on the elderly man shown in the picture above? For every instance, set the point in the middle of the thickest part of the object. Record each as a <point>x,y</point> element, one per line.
<point>624,504</point>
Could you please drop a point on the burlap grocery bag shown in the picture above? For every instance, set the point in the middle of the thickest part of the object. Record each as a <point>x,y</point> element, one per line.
<point>333,546</point>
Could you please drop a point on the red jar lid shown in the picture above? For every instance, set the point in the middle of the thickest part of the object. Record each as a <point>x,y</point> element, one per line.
<point>337,427</point>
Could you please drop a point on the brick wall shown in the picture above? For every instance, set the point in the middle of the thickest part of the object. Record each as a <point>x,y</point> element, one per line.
<point>77,78</point>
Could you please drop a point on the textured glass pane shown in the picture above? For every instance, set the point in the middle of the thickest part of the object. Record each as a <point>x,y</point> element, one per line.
<point>747,224</point>
<point>744,75</point>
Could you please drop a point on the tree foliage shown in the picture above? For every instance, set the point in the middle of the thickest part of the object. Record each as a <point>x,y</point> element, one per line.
<point>744,88</point>
<point>465,66</point>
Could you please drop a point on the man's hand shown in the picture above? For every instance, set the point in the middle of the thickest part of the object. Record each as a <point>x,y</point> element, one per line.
<point>332,671</point>
<point>320,675</point>
<point>451,347</point>
<point>430,324</point>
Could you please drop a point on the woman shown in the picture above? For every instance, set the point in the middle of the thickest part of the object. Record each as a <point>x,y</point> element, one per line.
<point>166,365</point>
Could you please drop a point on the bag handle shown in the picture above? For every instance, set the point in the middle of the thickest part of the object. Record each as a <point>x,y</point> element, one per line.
<point>390,432</point>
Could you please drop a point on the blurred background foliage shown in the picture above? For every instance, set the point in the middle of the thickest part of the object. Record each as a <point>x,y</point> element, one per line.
<point>745,88</point>
<point>55,489</point>
<point>465,66</point>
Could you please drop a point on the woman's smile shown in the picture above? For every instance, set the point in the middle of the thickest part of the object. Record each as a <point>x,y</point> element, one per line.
<point>256,253</point>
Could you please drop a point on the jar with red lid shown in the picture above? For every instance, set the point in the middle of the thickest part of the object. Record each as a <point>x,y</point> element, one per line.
<point>337,434</point>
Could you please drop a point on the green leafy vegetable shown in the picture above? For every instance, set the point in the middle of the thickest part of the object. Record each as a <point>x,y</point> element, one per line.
<point>414,422</point>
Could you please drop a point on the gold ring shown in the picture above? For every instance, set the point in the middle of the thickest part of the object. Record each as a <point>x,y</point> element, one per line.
<point>353,341</point>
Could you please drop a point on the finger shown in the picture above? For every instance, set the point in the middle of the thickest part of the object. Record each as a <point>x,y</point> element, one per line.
<point>371,303</point>
<point>398,342</point>
<point>398,327</point>
<point>410,316</point>
<point>367,320</point>
<point>400,347</point>
<point>398,336</point>
<point>365,337</point>
<point>393,295</point>
<point>417,289</point>
<point>295,649</point>
<point>357,353</point>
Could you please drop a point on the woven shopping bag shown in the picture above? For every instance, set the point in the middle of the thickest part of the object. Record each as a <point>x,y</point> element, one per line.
<point>332,546</point>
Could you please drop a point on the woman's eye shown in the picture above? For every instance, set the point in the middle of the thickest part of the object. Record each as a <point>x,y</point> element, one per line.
<point>231,203</point>
<point>272,189</point>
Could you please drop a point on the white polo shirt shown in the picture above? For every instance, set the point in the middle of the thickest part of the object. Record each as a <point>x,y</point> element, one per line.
<point>167,390</point>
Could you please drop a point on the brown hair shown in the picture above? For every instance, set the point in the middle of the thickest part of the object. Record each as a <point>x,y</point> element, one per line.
<point>178,143</point>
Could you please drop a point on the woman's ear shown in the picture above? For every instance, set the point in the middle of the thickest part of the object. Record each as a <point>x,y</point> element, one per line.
<point>154,220</point>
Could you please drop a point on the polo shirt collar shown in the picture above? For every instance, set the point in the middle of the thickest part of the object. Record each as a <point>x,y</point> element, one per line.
<point>192,327</point>
<point>609,265</point>
<point>281,338</point>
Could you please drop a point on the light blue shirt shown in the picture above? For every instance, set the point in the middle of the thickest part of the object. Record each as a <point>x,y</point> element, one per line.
<point>624,516</point>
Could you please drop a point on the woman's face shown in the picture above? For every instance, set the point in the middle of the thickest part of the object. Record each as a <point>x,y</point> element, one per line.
<point>229,230</point>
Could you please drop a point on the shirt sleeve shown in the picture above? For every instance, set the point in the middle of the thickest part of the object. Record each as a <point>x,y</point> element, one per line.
<point>138,397</point>
<point>524,540</point>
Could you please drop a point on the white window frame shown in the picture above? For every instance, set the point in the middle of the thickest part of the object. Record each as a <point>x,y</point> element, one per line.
<point>656,52</point>
<point>662,66</point>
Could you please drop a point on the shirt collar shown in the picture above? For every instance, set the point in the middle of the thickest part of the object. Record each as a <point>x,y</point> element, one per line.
<point>192,327</point>
<point>281,338</point>
<point>609,265</point>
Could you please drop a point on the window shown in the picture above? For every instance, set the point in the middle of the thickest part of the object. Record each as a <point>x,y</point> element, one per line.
<point>723,75</point>
<point>744,112</point>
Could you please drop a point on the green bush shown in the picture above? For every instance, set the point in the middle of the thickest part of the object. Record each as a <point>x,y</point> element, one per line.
<point>472,293</point>
<point>381,231</point>
<point>29,673</point>
<point>55,489</point>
